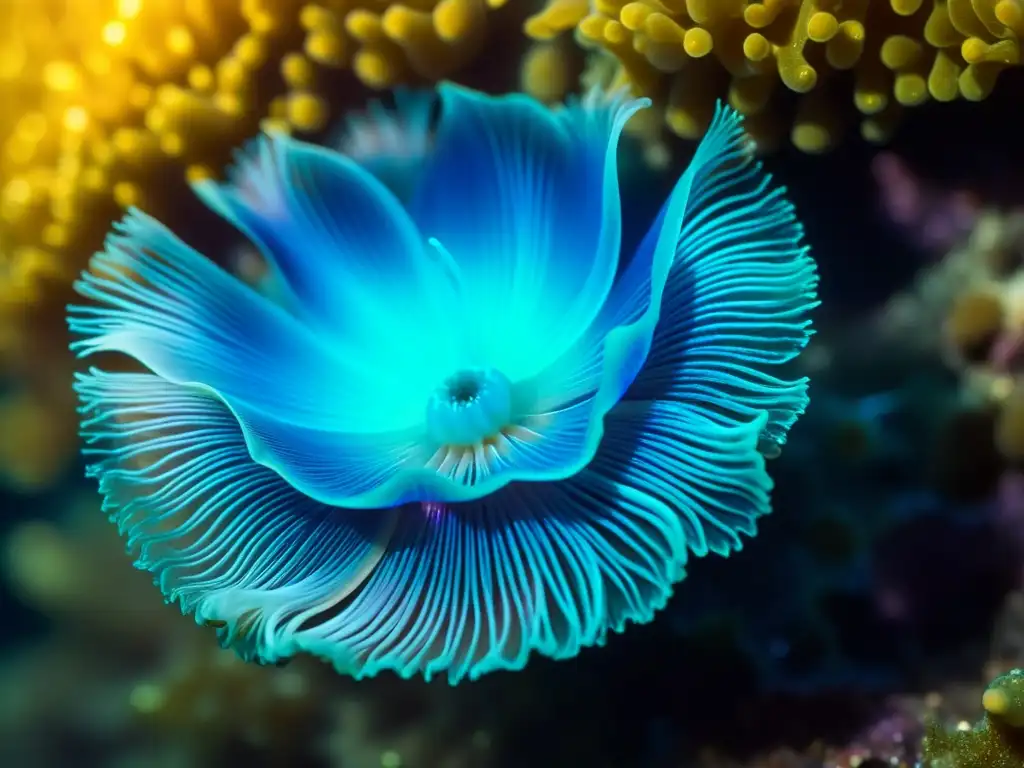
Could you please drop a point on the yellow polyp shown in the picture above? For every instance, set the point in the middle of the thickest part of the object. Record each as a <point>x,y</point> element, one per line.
<point>32,126</point>
<point>455,20</point>
<point>1011,14</point>
<point>307,111</point>
<point>201,78</point>
<point>910,90</point>
<point>373,68</point>
<point>231,74</point>
<point>683,124</point>
<point>325,48</point>
<point>557,17</point>
<point>822,27</point>
<point>662,56</point>
<point>976,83</point>
<point>125,142</point>
<point>801,78</point>
<point>756,47</point>
<point>156,119</point>
<point>750,95</point>
<point>974,50</point>
<point>592,28</point>
<point>172,144</point>
<point>402,23</point>
<point>995,702</point>
<point>364,26</point>
<point>660,29</point>
<point>871,91</point>
<point>127,194</point>
<point>17,191</point>
<point>251,50</point>
<point>180,41</point>
<point>114,33</point>
<point>62,208</point>
<point>198,172</point>
<point>761,15</point>
<point>94,179</point>
<point>876,131</point>
<point>297,71</point>
<point>943,78</point>
<point>23,191</point>
<point>906,7</point>
<point>545,72</point>
<point>710,13</point>
<point>697,42</point>
<point>815,127</point>
<point>1004,702</point>
<point>140,96</point>
<point>76,119</point>
<point>939,31</point>
<point>634,15</point>
<point>845,49</point>
<point>274,125</point>
<point>263,23</point>
<point>899,52</point>
<point>103,153</point>
<point>55,235</point>
<point>316,18</point>
<point>615,33</point>
<point>811,138</point>
<point>61,76</point>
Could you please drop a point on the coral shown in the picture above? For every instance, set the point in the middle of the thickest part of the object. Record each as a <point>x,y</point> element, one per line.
<point>208,696</point>
<point>111,103</point>
<point>974,323</point>
<point>547,71</point>
<point>974,289</point>
<point>976,295</point>
<point>935,219</point>
<point>997,741</point>
<point>902,53</point>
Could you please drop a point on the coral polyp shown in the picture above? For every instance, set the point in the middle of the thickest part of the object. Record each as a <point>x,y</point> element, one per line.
<point>901,53</point>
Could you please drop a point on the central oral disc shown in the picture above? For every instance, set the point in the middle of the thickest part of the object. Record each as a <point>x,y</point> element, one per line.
<point>470,406</point>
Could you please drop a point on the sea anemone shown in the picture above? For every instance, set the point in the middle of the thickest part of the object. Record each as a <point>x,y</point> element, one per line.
<point>473,423</point>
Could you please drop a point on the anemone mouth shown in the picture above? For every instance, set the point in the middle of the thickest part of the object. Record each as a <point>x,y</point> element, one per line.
<point>469,407</point>
<point>463,388</point>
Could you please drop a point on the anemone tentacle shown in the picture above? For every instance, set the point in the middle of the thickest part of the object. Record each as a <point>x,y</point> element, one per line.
<point>422,588</point>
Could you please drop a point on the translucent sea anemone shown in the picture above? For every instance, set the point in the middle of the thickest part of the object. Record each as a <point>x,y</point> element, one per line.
<point>473,423</point>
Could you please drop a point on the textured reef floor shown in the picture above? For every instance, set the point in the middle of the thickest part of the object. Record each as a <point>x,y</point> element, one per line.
<point>124,682</point>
